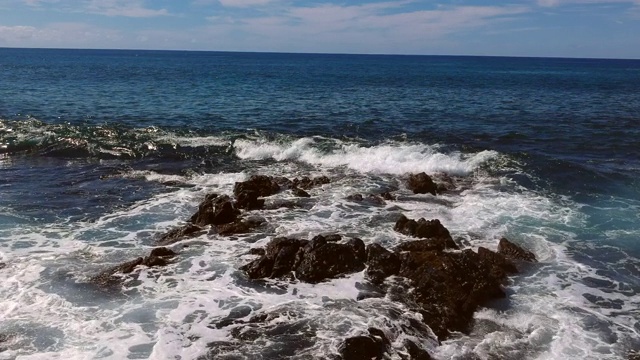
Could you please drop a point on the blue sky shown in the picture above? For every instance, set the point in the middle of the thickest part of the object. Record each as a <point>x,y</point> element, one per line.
<point>568,28</point>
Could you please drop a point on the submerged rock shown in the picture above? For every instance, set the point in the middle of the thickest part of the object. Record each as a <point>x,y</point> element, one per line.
<point>421,184</point>
<point>513,251</point>
<point>299,192</point>
<point>239,227</point>
<point>177,234</point>
<point>307,183</point>
<point>158,257</point>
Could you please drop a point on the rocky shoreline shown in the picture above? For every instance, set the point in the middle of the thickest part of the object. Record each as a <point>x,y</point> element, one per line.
<point>447,283</point>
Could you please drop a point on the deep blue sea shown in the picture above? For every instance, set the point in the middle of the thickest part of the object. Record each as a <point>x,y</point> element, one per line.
<point>101,151</point>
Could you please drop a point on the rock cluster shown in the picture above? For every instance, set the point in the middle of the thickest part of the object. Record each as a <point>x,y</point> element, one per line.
<point>449,284</point>
<point>224,213</point>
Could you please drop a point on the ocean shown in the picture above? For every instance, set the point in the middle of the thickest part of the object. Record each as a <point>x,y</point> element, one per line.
<point>103,151</point>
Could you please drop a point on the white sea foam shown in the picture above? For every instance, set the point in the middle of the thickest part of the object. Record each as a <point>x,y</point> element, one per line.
<point>172,311</point>
<point>388,158</point>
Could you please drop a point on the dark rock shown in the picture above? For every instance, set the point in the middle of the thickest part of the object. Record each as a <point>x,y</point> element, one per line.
<point>248,200</point>
<point>313,261</point>
<point>415,351</point>
<point>332,237</point>
<point>177,234</point>
<point>261,184</point>
<point>238,227</point>
<point>256,251</point>
<point>215,210</point>
<point>387,196</point>
<point>158,257</point>
<point>277,261</point>
<point>371,198</point>
<point>365,347</point>
<point>501,266</point>
<point>513,251</point>
<point>426,229</point>
<point>284,182</point>
<point>320,260</point>
<point>437,244</point>
<point>306,183</point>
<point>381,263</point>
<point>2,265</point>
<point>449,287</point>
<point>357,245</point>
<point>421,184</point>
<point>299,192</point>
<point>444,183</point>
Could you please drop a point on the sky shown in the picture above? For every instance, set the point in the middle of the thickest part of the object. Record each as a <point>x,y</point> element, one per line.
<point>558,28</point>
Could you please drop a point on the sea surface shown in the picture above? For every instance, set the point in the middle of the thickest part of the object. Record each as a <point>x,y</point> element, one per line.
<point>103,151</point>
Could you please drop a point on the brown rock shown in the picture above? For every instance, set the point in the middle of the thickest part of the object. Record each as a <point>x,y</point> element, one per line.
<point>421,184</point>
<point>513,251</point>
<point>261,184</point>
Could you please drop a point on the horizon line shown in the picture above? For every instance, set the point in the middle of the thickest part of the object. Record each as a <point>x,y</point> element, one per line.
<point>318,53</point>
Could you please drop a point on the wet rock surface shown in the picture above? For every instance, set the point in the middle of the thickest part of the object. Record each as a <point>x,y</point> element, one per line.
<point>421,184</point>
<point>262,185</point>
<point>180,233</point>
<point>365,347</point>
<point>160,256</point>
<point>381,263</point>
<point>513,251</point>
<point>310,261</point>
<point>426,229</point>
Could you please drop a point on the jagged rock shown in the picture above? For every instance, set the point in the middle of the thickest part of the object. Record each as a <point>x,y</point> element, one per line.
<point>437,244</point>
<point>238,227</point>
<point>261,184</point>
<point>449,287</point>
<point>501,266</point>
<point>299,192</point>
<point>371,198</point>
<point>320,260</point>
<point>332,237</point>
<point>215,210</point>
<point>307,183</point>
<point>431,229</point>
<point>365,347</point>
<point>387,196</point>
<point>256,251</point>
<point>381,263</point>
<point>158,257</point>
<point>177,234</point>
<point>513,251</point>
<point>249,200</point>
<point>2,265</point>
<point>277,261</point>
<point>283,182</point>
<point>421,184</point>
<point>415,351</point>
<point>444,183</point>
<point>312,261</point>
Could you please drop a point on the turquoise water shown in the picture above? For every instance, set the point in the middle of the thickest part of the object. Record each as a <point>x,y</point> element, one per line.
<point>101,151</point>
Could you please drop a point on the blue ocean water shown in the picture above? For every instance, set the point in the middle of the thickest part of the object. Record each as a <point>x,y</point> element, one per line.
<point>103,150</point>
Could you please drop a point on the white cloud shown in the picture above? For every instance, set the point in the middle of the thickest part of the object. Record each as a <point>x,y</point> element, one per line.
<point>554,3</point>
<point>244,3</point>
<point>127,8</point>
